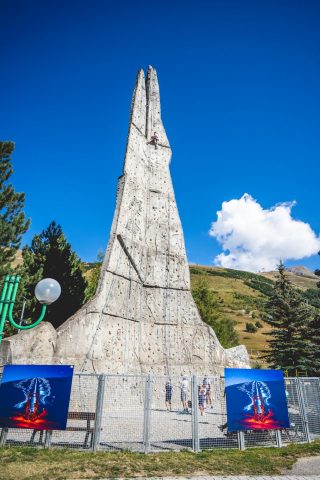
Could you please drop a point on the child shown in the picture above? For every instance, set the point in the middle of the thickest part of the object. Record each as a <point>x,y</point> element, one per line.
<point>202,393</point>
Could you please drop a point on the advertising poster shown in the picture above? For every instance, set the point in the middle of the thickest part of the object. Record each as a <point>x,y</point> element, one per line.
<point>256,399</point>
<point>35,396</point>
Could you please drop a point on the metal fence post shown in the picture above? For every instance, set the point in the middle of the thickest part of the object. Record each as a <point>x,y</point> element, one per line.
<point>147,414</point>
<point>303,409</point>
<point>195,415</point>
<point>241,442</point>
<point>278,439</point>
<point>3,437</point>
<point>47,439</point>
<point>99,412</point>
<point>317,417</point>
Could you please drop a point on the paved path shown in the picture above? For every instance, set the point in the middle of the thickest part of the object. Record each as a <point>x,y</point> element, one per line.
<point>237,477</point>
<point>306,466</point>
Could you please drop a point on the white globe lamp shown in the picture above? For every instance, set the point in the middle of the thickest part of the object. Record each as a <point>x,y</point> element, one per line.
<point>47,291</point>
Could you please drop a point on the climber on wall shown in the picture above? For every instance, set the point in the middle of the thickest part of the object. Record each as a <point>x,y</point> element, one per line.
<point>154,140</point>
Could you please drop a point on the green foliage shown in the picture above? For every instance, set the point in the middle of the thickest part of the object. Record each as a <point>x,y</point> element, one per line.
<point>13,223</point>
<point>93,277</point>
<point>263,285</point>
<point>312,295</point>
<point>317,272</point>
<point>195,271</point>
<point>258,324</point>
<point>239,274</point>
<point>248,301</point>
<point>314,337</point>
<point>50,255</point>
<point>208,303</point>
<point>257,365</point>
<point>250,328</point>
<point>292,347</point>
<point>252,280</point>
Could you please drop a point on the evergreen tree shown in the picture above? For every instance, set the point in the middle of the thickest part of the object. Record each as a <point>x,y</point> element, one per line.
<point>290,318</point>
<point>13,223</point>
<point>51,256</point>
<point>314,336</point>
<point>317,272</point>
<point>208,306</point>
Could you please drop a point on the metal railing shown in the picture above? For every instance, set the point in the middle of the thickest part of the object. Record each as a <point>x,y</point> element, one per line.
<point>133,412</point>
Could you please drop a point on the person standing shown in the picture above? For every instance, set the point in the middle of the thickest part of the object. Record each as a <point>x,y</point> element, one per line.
<point>202,395</point>
<point>207,383</point>
<point>184,389</point>
<point>168,389</point>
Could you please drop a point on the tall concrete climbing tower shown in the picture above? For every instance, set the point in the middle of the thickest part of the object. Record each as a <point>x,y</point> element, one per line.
<point>143,317</point>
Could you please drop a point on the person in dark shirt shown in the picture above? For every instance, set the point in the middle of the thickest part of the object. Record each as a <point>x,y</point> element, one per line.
<point>154,140</point>
<point>168,390</point>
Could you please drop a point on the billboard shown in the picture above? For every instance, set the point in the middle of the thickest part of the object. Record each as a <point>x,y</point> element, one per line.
<point>35,396</point>
<point>256,399</point>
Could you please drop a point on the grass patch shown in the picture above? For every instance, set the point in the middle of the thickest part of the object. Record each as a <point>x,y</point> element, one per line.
<point>61,464</point>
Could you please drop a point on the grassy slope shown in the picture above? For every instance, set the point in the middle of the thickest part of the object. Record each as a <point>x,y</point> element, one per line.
<point>240,303</point>
<point>243,300</point>
<point>59,464</point>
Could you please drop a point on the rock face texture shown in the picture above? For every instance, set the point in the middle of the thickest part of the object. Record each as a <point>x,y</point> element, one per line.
<point>143,317</point>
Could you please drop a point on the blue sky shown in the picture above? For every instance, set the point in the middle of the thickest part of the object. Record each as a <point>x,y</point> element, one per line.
<point>17,372</point>
<point>235,376</point>
<point>239,85</point>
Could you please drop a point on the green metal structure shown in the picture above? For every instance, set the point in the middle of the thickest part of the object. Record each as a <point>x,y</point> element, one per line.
<point>7,299</point>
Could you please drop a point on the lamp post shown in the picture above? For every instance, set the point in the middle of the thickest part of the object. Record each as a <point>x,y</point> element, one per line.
<point>47,291</point>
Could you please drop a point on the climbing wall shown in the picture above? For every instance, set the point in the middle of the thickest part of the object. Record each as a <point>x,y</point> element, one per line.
<point>143,317</point>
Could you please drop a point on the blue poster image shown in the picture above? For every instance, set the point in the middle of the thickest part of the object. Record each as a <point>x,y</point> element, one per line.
<point>35,396</point>
<point>256,399</point>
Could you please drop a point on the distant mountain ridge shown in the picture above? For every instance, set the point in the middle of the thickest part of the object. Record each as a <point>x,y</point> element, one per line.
<point>302,271</point>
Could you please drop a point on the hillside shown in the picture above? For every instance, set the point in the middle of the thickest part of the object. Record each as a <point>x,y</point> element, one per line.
<point>243,296</point>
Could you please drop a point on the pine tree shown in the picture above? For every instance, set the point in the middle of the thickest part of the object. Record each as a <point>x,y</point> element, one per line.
<point>13,223</point>
<point>51,256</point>
<point>290,317</point>
<point>208,306</point>
<point>314,337</point>
<point>317,272</point>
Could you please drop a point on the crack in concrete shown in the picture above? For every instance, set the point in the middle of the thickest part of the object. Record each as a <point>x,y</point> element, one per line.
<point>126,251</point>
<point>132,123</point>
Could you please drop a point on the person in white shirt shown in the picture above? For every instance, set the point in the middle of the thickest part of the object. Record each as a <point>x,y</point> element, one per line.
<point>184,388</point>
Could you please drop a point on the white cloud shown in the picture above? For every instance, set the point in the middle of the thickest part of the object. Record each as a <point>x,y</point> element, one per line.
<point>255,239</point>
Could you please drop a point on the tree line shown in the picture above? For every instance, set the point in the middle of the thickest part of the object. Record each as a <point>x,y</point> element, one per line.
<point>294,339</point>
<point>49,255</point>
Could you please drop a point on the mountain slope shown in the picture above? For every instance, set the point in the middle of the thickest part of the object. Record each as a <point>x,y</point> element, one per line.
<point>243,296</point>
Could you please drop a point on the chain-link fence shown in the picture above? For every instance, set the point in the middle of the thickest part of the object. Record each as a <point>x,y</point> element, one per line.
<point>149,413</point>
